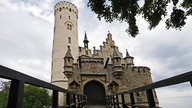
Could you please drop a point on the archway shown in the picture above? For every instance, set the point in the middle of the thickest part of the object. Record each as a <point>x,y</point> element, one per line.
<point>95,93</point>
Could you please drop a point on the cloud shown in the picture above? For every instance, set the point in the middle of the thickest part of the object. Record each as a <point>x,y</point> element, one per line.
<point>26,41</point>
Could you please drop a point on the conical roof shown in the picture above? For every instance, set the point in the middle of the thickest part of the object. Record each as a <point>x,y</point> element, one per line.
<point>68,53</point>
<point>127,53</point>
<point>85,38</point>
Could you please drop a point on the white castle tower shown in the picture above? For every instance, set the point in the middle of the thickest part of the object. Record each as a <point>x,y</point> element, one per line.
<point>65,34</point>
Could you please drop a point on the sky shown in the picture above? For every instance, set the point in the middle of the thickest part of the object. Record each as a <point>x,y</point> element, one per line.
<point>26,36</point>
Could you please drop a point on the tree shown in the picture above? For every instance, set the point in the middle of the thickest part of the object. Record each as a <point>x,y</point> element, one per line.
<point>152,11</point>
<point>34,97</point>
<point>4,92</point>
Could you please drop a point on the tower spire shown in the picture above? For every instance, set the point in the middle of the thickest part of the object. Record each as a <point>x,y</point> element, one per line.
<point>85,41</point>
<point>127,53</point>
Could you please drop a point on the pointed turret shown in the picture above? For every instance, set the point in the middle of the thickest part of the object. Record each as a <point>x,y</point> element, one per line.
<point>68,63</point>
<point>85,41</point>
<point>68,54</point>
<point>129,59</point>
<point>117,67</point>
<point>127,53</point>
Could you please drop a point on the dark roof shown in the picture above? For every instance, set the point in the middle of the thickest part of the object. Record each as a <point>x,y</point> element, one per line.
<point>127,53</point>
<point>85,38</point>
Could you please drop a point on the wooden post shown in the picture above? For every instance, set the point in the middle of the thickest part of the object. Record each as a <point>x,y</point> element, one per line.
<point>74,101</point>
<point>55,99</point>
<point>132,100</point>
<point>16,94</point>
<point>78,101</point>
<point>113,101</point>
<point>68,100</point>
<point>117,101</point>
<point>123,101</point>
<point>150,98</point>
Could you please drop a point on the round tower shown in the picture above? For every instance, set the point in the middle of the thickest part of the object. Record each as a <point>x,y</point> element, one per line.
<point>65,34</point>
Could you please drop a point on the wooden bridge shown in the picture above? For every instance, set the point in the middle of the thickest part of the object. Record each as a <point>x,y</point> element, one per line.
<point>74,100</point>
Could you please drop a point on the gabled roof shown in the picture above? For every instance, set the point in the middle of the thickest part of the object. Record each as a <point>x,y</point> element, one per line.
<point>74,83</point>
<point>113,83</point>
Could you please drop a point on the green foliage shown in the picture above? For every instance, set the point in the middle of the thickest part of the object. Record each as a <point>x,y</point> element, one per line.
<point>34,97</point>
<point>153,11</point>
<point>4,93</point>
<point>3,98</point>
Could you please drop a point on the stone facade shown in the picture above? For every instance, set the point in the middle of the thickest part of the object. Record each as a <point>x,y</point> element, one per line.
<point>81,65</point>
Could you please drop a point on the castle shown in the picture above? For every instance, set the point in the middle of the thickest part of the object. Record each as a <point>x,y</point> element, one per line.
<point>95,73</point>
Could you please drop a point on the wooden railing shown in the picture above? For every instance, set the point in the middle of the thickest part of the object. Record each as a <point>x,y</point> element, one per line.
<point>117,100</point>
<point>16,92</point>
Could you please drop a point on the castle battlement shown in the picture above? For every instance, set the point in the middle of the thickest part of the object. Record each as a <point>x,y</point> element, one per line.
<point>89,60</point>
<point>142,69</point>
<point>66,6</point>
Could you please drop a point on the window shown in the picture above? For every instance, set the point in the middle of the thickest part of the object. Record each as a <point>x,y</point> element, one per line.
<point>69,17</point>
<point>69,26</point>
<point>137,93</point>
<point>60,16</point>
<point>69,40</point>
<point>69,9</point>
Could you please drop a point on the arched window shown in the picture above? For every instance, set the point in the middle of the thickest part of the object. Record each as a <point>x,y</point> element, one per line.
<point>70,27</point>
<point>69,40</point>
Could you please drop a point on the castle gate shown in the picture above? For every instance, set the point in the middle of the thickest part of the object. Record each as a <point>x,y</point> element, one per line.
<point>95,93</point>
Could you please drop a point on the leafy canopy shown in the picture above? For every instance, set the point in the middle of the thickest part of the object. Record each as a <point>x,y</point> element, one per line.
<point>152,11</point>
<point>34,97</point>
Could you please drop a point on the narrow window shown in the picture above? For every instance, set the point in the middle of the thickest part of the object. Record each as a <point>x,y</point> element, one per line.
<point>68,26</point>
<point>69,40</point>
<point>69,17</point>
<point>60,16</point>
<point>137,93</point>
